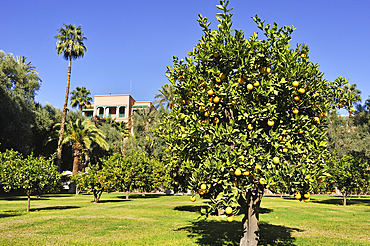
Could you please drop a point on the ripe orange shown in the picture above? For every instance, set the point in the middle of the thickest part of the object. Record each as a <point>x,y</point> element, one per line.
<point>210,92</point>
<point>193,198</point>
<point>316,119</point>
<point>306,196</point>
<point>263,181</point>
<point>240,80</point>
<point>203,186</point>
<point>218,80</point>
<point>256,84</point>
<point>297,196</point>
<point>322,114</point>
<point>301,90</point>
<point>246,173</point>
<point>297,98</point>
<point>202,108</point>
<point>228,210</point>
<point>295,83</point>
<point>250,127</point>
<point>216,99</point>
<point>216,120</point>
<point>303,55</point>
<point>285,150</point>
<point>202,83</point>
<point>295,111</point>
<point>249,86</point>
<point>206,114</point>
<point>230,218</point>
<point>306,200</point>
<point>183,101</point>
<point>300,131</point>
<point>235,183</point>
<point>267,70</point>
<point>270,122</point>
<point>238,172</point>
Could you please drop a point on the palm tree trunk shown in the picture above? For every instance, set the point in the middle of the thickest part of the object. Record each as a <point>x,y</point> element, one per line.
<point>77,150</point>
<point>59,150</point>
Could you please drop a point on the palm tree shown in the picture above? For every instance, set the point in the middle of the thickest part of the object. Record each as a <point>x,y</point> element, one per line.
<point>166,96</point>
<point>81,134</point>
<point>70,43</point>
<point>80,97</point>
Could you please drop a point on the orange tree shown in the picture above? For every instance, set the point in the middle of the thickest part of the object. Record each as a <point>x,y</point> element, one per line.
<point>350,173</point>
<point>31,175</point>
<point>248,114</point>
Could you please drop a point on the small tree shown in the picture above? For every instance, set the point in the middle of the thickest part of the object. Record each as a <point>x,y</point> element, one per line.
<point>349,174</point>
<point>80,98</point>
<point>248,113</point>
<point>32,175</point>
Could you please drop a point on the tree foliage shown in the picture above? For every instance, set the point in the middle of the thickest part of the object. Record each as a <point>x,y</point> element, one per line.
<point>248,114</point>
<point>32,175</point>
<point>80,97</point>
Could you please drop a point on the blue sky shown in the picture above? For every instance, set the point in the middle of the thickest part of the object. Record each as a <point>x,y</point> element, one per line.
<point>132,42</point>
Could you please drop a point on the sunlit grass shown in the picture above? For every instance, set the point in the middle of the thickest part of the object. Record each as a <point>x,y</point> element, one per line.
<point>65,219</point>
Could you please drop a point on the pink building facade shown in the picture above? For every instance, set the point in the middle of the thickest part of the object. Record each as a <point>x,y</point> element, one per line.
<point>119,107</point>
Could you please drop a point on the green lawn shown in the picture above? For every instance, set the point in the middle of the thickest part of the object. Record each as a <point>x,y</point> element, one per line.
<point>65,219</point>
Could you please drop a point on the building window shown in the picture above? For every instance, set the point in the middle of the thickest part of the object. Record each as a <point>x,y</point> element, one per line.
<point>122,112</point>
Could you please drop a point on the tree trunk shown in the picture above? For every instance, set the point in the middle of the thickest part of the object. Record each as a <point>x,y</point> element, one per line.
<point>143,194</point>
<point>77,150</point>
<point>127,194</point>
<point>345,198</point>
<point>251,205</point>
<point>59,150</point>
<point>28,202</point>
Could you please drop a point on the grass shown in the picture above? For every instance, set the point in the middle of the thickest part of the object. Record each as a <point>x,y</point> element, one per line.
<point>66,219</point>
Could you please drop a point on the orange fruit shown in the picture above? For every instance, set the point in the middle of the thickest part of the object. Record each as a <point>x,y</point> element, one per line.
<point>267,70</point>
<point>322,114</point>
<point>193,198</point>
<point>263,181</point>
<point>285,150</point>
<point>303,55</point>
<point>295,111</point>
<point>249,86</point>
<point>316,119</point>
<point>306,200</point>
<point>295,83</point>
<point>270,122</point>
<point>240,80</point>
<point>256,84</point>
<point>238,172</point>
<point>250,127</point>
<point>216,120</point>
<point>306,196</point>
<point>297,98</point>
<point>210,92</point>
<point>206,114</point>
<point>218,80</point>
<point>216,99</point>
<point>221,76</point>
<point>301,90</point>
<point>275,160</point>
<point>230,218</point>
<point>246,173</point>
<point>297,196</point>
<point>229,210</point>
<point>181,78</point>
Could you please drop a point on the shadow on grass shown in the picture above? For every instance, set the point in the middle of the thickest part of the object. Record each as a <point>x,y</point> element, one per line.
<point>226,233</point>
<point>338,200</point>
<point>139,195</point>
<point>9,215</point>
<point>108,201</point>
<point>53,208</point>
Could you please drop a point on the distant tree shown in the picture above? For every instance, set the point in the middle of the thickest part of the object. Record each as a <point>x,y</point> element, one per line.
<point>81,134</point>
<point>33,175</point>
<point>165,97</point>
<point>80,98</point>
<point>70,43</point>
<point>19,83</point>
<point>350,173</point>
